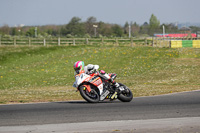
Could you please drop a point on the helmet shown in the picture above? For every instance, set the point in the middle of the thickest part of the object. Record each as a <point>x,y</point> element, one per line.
<point>78,66</point>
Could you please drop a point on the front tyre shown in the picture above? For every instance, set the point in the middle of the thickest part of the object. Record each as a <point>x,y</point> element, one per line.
<point>126,95</point>
<point>91,97</point>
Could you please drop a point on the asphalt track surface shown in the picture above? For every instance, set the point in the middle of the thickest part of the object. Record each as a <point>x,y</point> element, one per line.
<point>180,111</point>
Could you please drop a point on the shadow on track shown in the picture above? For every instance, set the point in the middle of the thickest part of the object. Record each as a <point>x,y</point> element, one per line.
<point>85,102</point>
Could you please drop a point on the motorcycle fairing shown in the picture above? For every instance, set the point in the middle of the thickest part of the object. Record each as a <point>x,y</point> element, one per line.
<point>96,81</point>
<point>92,79</point>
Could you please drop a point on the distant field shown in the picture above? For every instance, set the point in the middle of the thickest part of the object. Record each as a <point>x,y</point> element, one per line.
<point>39,74</point>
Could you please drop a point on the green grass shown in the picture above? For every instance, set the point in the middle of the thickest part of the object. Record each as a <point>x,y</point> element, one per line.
<point>37,74</point>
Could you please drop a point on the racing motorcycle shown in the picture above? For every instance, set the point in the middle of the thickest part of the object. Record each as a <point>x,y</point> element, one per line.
<point>94,89</point>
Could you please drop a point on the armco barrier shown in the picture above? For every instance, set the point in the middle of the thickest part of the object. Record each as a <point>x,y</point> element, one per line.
<point>185,43</point>
<point>176,44</point>
<point>196,43</point>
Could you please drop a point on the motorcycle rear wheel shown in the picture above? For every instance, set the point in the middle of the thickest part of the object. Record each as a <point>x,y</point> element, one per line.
<point>125,96</point>
<point>91,97</point>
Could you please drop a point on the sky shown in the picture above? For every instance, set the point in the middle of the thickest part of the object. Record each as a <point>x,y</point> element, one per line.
<point>43,12</point>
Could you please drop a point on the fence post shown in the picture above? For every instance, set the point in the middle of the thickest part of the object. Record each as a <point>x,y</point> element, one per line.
<point>131,42</point>
<point>152,42</point>
<point>14,41</point>
<point>58,41</point>
<point>0,40</point>
<point>74,43</point>
<point>44,42</point>
<point>145,41</point>
<point>116,40</point>
<point>168,44</point>
<point>87,41</point>
<point>156,41</point>
<point>102,40</point>
<point>29,41</point>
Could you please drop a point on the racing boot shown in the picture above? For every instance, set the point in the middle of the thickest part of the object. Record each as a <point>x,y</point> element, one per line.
<point>117,90</point>
<point>117,87</point>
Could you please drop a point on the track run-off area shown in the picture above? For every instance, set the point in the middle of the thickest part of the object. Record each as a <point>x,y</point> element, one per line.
<point>178,112</point>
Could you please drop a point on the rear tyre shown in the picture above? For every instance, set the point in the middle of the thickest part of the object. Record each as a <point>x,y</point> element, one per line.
<point>126,95</point>
<point>91,97</point>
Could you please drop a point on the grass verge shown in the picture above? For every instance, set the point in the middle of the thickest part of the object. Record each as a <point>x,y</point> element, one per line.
<point>42,74</point>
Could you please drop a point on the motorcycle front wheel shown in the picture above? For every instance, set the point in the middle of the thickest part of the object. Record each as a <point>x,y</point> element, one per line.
<point>91,97</point>
<point>126,95</point>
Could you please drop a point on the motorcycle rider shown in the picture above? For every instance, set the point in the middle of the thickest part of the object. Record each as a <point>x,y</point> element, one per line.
<point>90,69</point>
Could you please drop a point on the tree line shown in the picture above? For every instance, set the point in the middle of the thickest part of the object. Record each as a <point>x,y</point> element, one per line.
<point>92,28</point>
